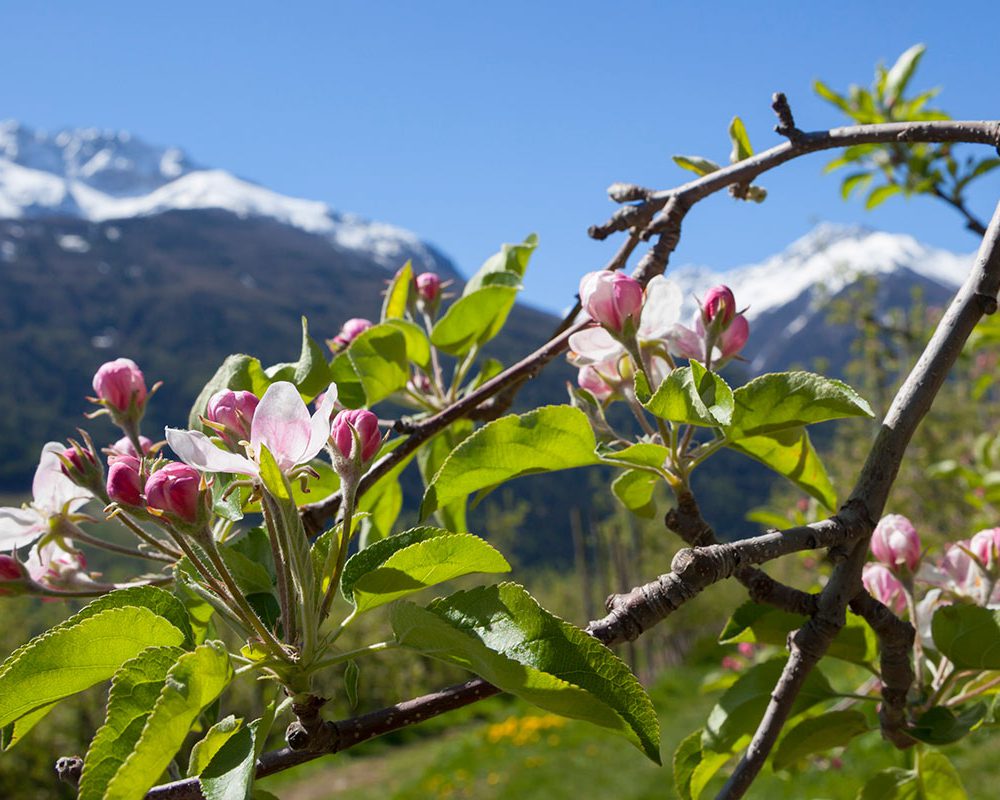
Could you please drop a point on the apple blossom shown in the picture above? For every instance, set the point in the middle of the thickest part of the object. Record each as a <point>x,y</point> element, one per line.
<point>125,482</point>
<point>12,575</point>
<point>281,423</point>
<point>175,489</point>
<point>428,286</point>
<point>884,586</point>
<point>361,423</point>
<point>55,497</point>
<point>233,412</point>
<point>895,541</point>
<point>611,298</point>
<point>985,546</point>
<point>56,565</point>
<point>350,331</point>
<point>124,447</point>
<point>660,313</point>
<point>118,384</point>
<point>719,302</point>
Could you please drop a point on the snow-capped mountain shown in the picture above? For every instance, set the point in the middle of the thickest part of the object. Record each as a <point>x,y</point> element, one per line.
<point>787,295</point>
<point>101,175</point>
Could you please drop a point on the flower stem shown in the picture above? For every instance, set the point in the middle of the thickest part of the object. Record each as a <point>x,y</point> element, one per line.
<point>80,535</point>
<point>338,659</point>
<point>279,551</point>
<point>350,491</point>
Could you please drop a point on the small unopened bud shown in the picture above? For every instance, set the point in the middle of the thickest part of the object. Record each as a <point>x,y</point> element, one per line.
<point>234,412</point>
<point>125,481</point>
<point>719,302</point>
<point>985,546</point>
<point>361,423</point>
<point>351,330</point>
<point>124,448</point>
<point>895,542</point>
<point>119,384</point>
<point>734,337</point>
<point>612,299</point>
<point>77,460</point>
<point>590,379</point>
<point>175,490</point>
<point>884,586</point>
<point>12,576</point>
<point>428,286</point>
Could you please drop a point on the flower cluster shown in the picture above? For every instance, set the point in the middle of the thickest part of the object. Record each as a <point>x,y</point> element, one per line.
<point>645,324</point>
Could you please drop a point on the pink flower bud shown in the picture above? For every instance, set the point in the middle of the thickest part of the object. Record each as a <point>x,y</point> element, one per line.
<point>428,286</point>
<point>611,298</point>
<point>125,481</point>
<point>590,379</point>
<point>79,462</point>
<point>175,489</point>
<point>352,329</point>
<point>734,337</point>
<point>12,575</point>
<point>118,383</point>
<point>124,447</point>
<point>884,586</point>
<point>895,541</point>
<point>365,424</point>
<point>719,302</point>
<point>985,546</point>
<point>234,411</point>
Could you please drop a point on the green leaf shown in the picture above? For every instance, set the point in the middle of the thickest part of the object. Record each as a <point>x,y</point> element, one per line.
<point>693,395</point>
<point>763,624</point>
<point>831,96</point>
<point>742,706</point>
<point>352,677</point>
<point>856,180</point>
<point>431,456</point>
<point>238,372</point>
<point>204,750</point>
<point>425,563</point>
<point>695,767</point>
<point>968,635</point>
<point>899,76</point>
<point>546,439</point>
<point>273,478</point>
<point>229,775</point>
<point>502,634</point>
<point>310,374</point>
<point>473,319</point>
<point>939,777</point>
<point>741,142</point>
<point>643,455</point>
<point>818,734</point>
<point>193,682</point>
<point>880,194</point>
<point>372,367</point>
<point>398,294</point>
<point>781,400</point>
<point>939,725</point>
<point>418,347</point>
<point>134,690</point>
<point>74,657</point>
<point>696,164</point>
<point>634,488</point>
<point>891,784</point>
<point>512,260</point>
<point>790,453</point>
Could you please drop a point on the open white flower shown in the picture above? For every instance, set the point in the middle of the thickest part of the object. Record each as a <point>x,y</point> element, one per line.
<point>281,423</point>
<point>661,310</point>
<point>54,495</point>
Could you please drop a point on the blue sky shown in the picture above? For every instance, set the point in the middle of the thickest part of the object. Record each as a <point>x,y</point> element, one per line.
<point>474,123</point>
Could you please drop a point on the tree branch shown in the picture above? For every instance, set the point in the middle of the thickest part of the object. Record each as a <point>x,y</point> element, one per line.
<point>978,296</point>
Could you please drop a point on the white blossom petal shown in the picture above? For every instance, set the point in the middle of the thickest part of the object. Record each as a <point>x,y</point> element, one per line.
<point>662,309</point>
<point>20,526</point>
<point>51,488</point>
<point>282,423</point>
<point>195,449</point>
<point>594,345</point>
<point>320,424</point>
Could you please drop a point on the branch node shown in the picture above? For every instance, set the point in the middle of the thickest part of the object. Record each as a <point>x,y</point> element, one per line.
<point>628,193</point>
<point>786,122</point>
<point>69,769</point>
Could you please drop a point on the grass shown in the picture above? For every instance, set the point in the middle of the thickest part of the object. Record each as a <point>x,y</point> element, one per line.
<point>521,752</point>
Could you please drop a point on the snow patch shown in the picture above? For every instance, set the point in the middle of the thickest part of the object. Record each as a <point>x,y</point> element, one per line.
<point>72,243</point>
